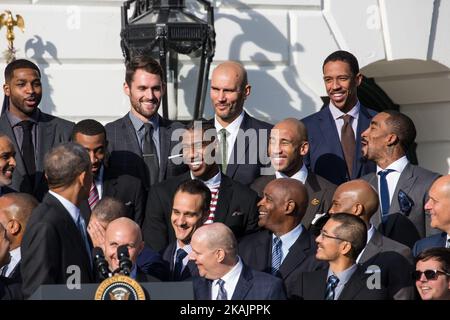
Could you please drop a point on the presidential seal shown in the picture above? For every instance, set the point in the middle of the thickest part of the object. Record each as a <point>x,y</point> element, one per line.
<point>119,287</point>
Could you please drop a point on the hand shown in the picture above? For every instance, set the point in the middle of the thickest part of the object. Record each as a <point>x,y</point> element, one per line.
<point>97,234</point>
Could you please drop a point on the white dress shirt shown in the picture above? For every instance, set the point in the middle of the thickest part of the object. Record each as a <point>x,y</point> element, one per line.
<point>231,279</point>
<point>337,114</point>
<point>392,178</point>
<point>99,182</point>
<point>301,175</point>
<point>288,239</point>
<point>15,259</point>
<point>212,183</point>
<point>233,130</point>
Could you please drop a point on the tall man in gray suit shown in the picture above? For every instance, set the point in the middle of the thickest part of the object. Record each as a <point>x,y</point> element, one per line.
<point>32,131</point>
<point>402,187</point>
<point>141,143</point>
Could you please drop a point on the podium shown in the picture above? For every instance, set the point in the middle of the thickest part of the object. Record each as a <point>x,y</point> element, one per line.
<point>155,290</point>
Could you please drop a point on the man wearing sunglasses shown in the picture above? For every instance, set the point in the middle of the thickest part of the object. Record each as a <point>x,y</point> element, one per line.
<point>432,274</point>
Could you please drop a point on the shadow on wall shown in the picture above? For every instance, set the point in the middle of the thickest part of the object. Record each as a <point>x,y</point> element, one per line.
<point>269,100</point>
<point>39,48</point>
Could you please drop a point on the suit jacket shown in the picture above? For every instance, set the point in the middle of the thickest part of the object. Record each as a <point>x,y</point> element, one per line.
<point>434,241</point>
<point>415,182</point>
<point>10,289</point>
<point>252,285</point>
<point>325,156</point>
<point>245,164</point>
<point>189,271</point>
<point>236,207</point>
<point>51,132</point>
<point>312,286</point>
<point>320,194</point>
<point>51,246</point>
<point>395,263</point>
<point>126,154</point>
<point>256,251</point>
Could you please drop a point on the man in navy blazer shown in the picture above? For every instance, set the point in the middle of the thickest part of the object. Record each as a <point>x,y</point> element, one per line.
<point>325,127</point>
<point>223,275</point>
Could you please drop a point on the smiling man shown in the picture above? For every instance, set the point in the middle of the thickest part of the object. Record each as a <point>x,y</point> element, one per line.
<point>7,163</point>
<point>32,132</point>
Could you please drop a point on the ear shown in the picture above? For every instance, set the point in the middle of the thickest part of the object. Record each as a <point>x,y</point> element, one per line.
<point>392,139</point>
<point>358,209</point>
<point>290,206</point>
<point>220,255</point>
<point>14,227</point>
<point>126,88</point>
<point>247,91</point>
<point>304,148</point>
<point>6,90</point>
<point>346,247</point>
<point>358,79</point>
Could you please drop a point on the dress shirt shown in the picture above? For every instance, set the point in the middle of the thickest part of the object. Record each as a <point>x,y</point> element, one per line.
<point>392,178</point>
<point>231,279</point>
<point>139,129</point>
<point>343,277</point>
<point>370,234</point>
<point>15,259</point>
<point>301,175</point>
<point>188,250</point>
<point>288,239</point>
<point>233,130</point>
<point>98,180</point>
<point>70,207</point>
<point>337,116</point>
<point>214,182</point>
<point>18,130</point>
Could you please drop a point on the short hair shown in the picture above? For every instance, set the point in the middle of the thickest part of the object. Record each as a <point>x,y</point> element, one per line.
<point>205,125</point>
<point>21,207</point>
<point>144,62</point>
<point>19,64</point>
<point>352,229</point>
<point>344,56</point>
<point>402,126</point>
<point>4,136</point>
<point>64,163</point>
<point>196,187</point>
<point>442,255</point>
<point>88,127</point>
<point>109,209</point>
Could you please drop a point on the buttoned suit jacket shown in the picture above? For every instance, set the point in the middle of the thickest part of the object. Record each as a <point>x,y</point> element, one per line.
<point>325,156</point>
<point>434,241</point>
<point>189,271</point>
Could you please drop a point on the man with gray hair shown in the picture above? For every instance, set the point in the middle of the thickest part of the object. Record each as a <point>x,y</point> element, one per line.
<point>55,247</point>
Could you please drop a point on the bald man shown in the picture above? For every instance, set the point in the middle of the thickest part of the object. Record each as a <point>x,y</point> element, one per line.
<point>223,275</point>
<point>124,231</point>
<point>8,290</point>
<point>285,248</point>
<point>438,207</point>
<point>288,145</point>
<point>242,139</point>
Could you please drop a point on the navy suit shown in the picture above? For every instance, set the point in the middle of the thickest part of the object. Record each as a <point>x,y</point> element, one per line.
<point>189,271</point>
<point>435,241</point>
<point>252,285</point>
<point>325,156</point>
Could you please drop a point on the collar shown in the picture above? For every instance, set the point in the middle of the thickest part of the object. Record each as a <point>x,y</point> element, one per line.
<point>301,175</point>
<point>138,124</point>
<point>186,247</point>
<point>214,182</point>
<point>99,177</point>
<point>288,239</point>
<point>233,275</point>
<point>233,126</point>
<point>398,165</point>
<point>344,275</point>
<point>69,206</point>
<point>370,233</point>
<point>354,112</point>
<point>14,121</point>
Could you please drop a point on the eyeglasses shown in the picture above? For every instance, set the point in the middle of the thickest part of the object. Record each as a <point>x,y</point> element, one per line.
<point>429,274</point>
<point>323,234</point>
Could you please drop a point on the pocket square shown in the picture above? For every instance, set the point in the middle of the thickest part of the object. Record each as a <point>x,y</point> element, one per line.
<point>405,202</point>
<point>237,213</point>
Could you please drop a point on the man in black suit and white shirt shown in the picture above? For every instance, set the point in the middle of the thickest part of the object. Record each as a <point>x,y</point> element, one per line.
<point>32,131</point>
<point>56,237</point>
<point>7,164</point>
<point>9,290</point>
<point>91,135</point>
<point>242,138</point>
<point>231,202</point>
<point>223,275</point>
<point>141,142</point>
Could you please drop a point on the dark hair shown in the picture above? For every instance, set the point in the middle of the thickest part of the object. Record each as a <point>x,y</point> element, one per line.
<point>19,64</point>
<point>89,127</point>
<point>109,209</point>
<point>196,187</point>
<point>144,62</point>
<point>403,127</point>
<point>442,255</point>
<point>353,230</point>
<point>204,125</point>
<point>344,56</point>
<point>64,163</point>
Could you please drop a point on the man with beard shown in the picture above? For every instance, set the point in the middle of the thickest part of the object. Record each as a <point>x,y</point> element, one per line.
<point>32,131</point>
<point>7,164</point>
<point>141,142</point>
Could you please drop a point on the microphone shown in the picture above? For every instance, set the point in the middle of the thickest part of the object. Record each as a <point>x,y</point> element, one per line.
<point>125,264</point>
<point>100,263</point>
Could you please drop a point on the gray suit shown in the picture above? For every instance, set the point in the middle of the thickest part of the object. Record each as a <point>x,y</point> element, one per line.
<point>51,131</point>
<point>415,182</point>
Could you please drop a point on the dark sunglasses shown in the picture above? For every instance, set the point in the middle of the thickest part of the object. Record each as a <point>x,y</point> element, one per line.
<point>429,274</point>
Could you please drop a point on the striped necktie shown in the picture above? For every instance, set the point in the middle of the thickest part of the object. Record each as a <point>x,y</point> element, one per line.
<point>332,283</point>
<point>93,196</point>
<point>277,255</point>
<point>222,294</point>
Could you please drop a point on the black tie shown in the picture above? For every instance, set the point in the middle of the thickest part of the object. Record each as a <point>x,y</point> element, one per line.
<point>149,153</point>
<point>348,143</point>
<point>177,270</point>
<point>28,148</point>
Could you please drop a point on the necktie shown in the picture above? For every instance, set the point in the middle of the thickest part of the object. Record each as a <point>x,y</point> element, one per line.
<point>149,153</point>
<point>223,133</point>
<point>81,225</point>
<point>93,196</point>
<point>222,294</point>
<point>348,143</point>
<point>28,147</point>
<point>4,269</point>
<point>276,255</point>
<point>384,193</point>
<point>332,283</point>
<point>181,254</point>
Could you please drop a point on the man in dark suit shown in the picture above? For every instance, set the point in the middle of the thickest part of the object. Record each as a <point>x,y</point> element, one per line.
<point>335,131</point>
<point>438,206</point>
<point>7,164</point>
<point>288,145</point>
<point>9,290</point>
<point>285,248</point>
<point>91,135</point>
<point>231,202</point>
<point>223,275</point>
<point>340,242</point>
<point>189,211</point>
<point>55,239</point>
<point>402,187</point>
<point>32,131</point>
<point>242,138</point>
<point>141,142</point>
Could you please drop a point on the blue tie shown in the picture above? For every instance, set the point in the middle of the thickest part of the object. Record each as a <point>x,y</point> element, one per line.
<point>222,294</point>
<point>181,254</point>
<point>332,283</point>
<point>276,255</point>
<point>384,192</point>
<point>81,225</point>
